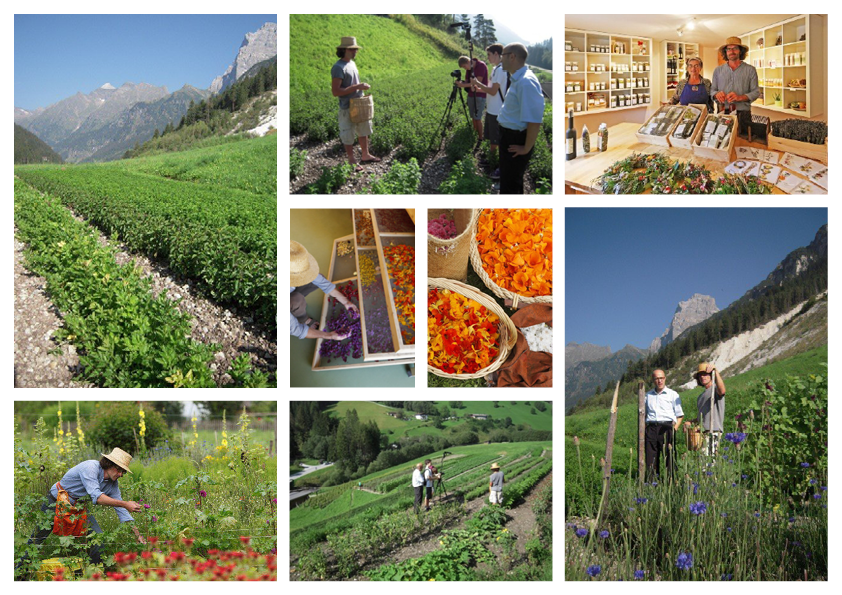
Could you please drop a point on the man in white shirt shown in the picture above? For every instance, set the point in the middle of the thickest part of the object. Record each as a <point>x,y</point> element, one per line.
<point>418,485</point>
<point>663,416</point>
<point>496,94</point>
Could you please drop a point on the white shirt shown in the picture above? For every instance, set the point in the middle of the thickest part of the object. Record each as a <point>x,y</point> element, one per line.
<point>417,479</point>
<point>663,406</point>
<point>428,475</point>
<point>495,102</point>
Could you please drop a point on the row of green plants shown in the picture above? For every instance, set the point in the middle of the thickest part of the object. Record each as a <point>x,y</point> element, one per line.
<point>212,496</point>
<point>124,334</point>
<point>224,239</point>
<point>529,469</point>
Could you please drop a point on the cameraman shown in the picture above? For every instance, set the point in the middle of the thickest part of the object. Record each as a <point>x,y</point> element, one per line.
<point>496,95</point>
<point>476,99</point>
<point>520,119</point>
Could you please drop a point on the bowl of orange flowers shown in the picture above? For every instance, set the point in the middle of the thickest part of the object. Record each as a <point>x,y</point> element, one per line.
<point>512,252</point>
<point>469,334</point>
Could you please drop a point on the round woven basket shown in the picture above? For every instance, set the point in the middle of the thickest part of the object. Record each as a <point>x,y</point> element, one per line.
<point>505,327</point>
<point>476,261</point>
<point>694,439</point>
<point>449,258</point>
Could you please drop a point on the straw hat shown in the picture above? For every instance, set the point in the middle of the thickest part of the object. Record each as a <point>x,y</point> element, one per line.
<point>120,458</point>
<point>348,43</point>
<point>495,467</point>
<point>303,268</point>
<point>702,369</point>
<point>733,41</point>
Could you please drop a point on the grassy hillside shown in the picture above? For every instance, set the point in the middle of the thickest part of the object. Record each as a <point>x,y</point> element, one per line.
<point>519,411</point>
<point>31,149</point>
<point>591,426</point>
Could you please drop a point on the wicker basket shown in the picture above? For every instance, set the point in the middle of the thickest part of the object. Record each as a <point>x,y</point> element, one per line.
<point>448,259</point>
<point>505,327</point>
<point>505,294</point>
<point>695,439</point>
<point>362,109</point>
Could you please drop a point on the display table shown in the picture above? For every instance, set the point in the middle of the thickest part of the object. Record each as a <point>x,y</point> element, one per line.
<point>579,174</point>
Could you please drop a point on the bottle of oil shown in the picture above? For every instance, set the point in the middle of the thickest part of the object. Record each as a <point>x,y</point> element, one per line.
<point>586,140</point>
<point>571,140</point>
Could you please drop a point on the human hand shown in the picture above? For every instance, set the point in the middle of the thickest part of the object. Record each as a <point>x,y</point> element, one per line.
<point>720,97</point>
<point>364,86</point>
<point>351,307</point>
<point>141,540</point>
<point>518,150</point>
<point>733,97</point>
<point>132,506</point>
<point>339,336</point>
<point>710,368</point>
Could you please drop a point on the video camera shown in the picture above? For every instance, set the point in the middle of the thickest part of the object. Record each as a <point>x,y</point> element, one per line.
<point>466,26</point>
<point>457,74</point>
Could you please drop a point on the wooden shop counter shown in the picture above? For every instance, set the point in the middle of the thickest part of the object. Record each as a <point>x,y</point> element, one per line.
<point>580,173</point>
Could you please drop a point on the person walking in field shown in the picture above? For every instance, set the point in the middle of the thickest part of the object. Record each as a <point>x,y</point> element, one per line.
<point>345,84</point>
<point>663,416</point>
<point>418,485</point>
<point>711,406</point>
<point>97,480</point>
<point>495,485</point>
<point>520,119</point>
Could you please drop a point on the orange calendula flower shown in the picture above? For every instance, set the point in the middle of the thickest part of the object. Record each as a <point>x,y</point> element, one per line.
<point>516,249</point>
<point>463,337</point>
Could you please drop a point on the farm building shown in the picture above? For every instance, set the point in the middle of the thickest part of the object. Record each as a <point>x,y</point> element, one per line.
<point>420,416</point>
<point>482,416</point>
<point>394,414</point>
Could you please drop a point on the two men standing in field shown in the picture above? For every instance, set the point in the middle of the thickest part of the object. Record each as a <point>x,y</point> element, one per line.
<point>345,84</point>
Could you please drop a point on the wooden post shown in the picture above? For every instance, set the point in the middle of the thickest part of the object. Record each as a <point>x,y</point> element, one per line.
<point>609,449</point>
<point>641,431</point>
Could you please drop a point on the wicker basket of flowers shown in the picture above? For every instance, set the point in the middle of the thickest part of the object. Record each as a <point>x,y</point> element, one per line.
<point>512,252</point>
<point>470,336</point>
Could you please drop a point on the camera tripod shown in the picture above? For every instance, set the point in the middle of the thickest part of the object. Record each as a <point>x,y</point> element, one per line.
<point>440,481</point>
<point>442,127</point>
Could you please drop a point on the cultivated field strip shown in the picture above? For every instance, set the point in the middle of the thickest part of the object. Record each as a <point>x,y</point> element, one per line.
<point>125,336</point>
<point>223,239</point>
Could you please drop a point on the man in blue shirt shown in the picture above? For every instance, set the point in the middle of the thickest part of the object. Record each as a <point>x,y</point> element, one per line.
<point>520,119</point>
<point>97,480</point>
<point>663,416</point>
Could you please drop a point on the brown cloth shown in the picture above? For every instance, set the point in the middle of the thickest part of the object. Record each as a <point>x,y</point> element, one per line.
<point>524,367</point>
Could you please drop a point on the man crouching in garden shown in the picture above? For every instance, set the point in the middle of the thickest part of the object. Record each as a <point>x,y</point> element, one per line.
<point>98,480</point>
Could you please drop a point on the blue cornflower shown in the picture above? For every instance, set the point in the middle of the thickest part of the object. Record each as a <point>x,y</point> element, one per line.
<point>641,500</point>
<point>604,534</point>
<point>684,561</point>
<point>726,577</point>
<point>814,481</point>
<point>791,519</point>
<point>571,525</point>
<point>743,476</point>
<point>594,570</point>
<point>638,574</point>
<point>695,488</point>
<point>698,508</point>
<point>805,465</point>
<point>817,496</point>
<point>654,483</point>
<point>757,514</point>
<point>723,514</point>
<point>733,485</point>
<point>709,473</point>
<point>725,447</point>
<point>735,437</point>
<point>729,529</point>
<point>823,488</point>
<point>581,532</point>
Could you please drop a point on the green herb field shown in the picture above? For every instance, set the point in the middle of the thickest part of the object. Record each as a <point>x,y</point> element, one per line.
<point>209,215</point>
<point>408,66</point>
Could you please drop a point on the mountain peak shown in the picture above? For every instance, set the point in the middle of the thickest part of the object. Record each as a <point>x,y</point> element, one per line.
<point>257,47</point>
<point>688,313</point>
<point>108,86</point>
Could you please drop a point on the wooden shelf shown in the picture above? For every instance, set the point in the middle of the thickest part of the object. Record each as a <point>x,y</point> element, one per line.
<point>669,51</point>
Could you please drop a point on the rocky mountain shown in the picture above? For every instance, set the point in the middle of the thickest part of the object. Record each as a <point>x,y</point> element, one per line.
<point>581,380</point>
<point>574,353</point>
<point>796,262</point>
<point>257,47</point>
<point>688,313</point>
<point>31,149</point>
<point>138,123</point>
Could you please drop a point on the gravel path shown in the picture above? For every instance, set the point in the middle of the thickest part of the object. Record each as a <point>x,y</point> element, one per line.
<point>36,318</point>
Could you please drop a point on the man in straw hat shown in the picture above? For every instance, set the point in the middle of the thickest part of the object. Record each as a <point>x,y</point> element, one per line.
<point>346,84</point>
<point>97,480</point>
<point>735,83</point>
<point>495,485</point>
<point>304,279</point>
<point>711,406</point>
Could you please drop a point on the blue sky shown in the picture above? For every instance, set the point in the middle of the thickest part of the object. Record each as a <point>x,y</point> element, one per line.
<point>58,55</point>
<point>627,269</point>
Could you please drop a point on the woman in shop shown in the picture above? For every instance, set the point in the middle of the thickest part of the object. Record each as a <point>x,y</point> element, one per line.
<point>304,279</point>
<point>694,88</point>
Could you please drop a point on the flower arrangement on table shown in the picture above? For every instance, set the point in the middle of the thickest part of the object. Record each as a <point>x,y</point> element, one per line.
<point>516,249</point>
<point>463,335</point>
<point>401,270</point>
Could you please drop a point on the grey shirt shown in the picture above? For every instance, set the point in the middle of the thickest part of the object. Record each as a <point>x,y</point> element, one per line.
<point>347,71</point>
<point>742,81</point>
<point>497,481</point>
<point>711,414</point>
